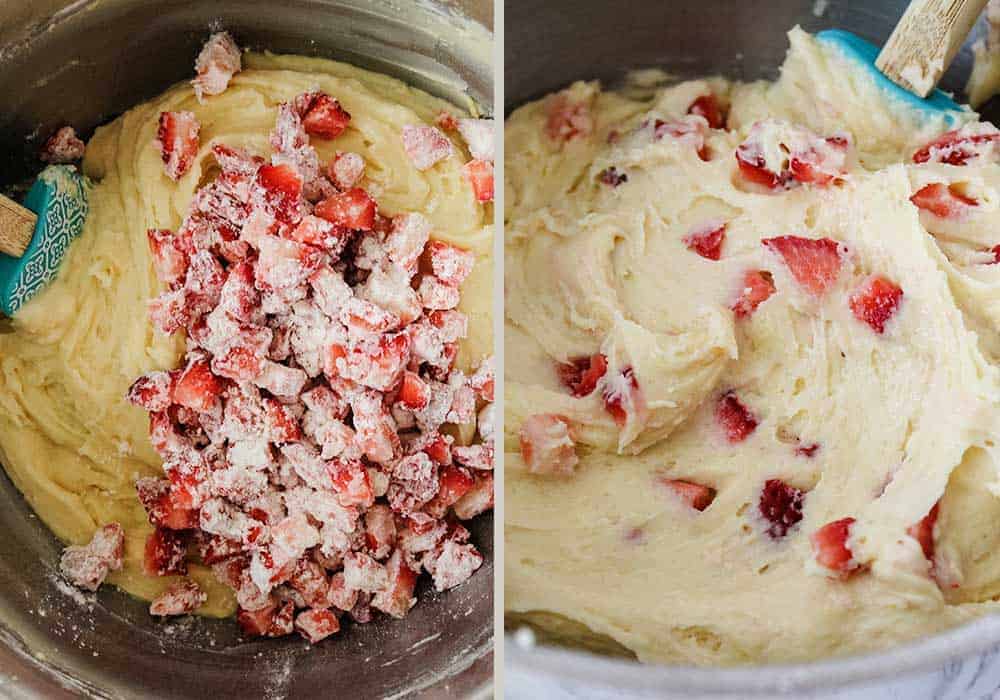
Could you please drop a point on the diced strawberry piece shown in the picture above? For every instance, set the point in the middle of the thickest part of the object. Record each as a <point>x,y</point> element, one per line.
<point>197,388</point>
<point>179,598</point>
<point>478,456</point>
<point>324,117</point>
<point>958,147</point>
<point>339,595</point>
<point>177,140</point>
<point>169,257</point>
<point>439,449</point>
<point>168,313</point>
<point>352,209</point>
<point>317,232</point>
<point>446,121</point>
<point>612,177</point>
<point>831,549</point>
<point>213,548</point>
<point>706,240</point>
<point>807,450</point>
<point>363,573</point>
<point>310,580</point>
<point>813,262</point>
<point>63,147</point>
<point>218,61</point>
<point>581,374</point>
<point>623,397</point>
<point>437,295</point>
<point>687,131</point>
<point>567,120</point>
<point>86,566</point>
<point>282,188</point>
<point>479,173</point>
<point>943,201</point>
<point>547,445</point>
<point>479,134</point>
<point>425,145</point>
<point>696,496</point>
<point>736,419</point>
<point>281,423</point>
<point>781,506</point>
<point>754,169</point>
<point>396,598</point>
<point>346,170</point>
<point>256,623</point>
<point>351,482</point>
<point>281,380</point>
<point>478,499</point>
<point>708,106</point>
<point>482,380</point>
<point>758,286</point>
<point>452,564</point>
<point>316,625</point>
<point>455,482</point>
<point>876,302</point>
<point>413,392</point>
<point>380,530</point>
<point>151,392</point>
<point>923,531</point>
<point>380,367</point>
<point>164,508</point>
<point>165,553</point>
<point>450,264</point>
<point>821,163</point>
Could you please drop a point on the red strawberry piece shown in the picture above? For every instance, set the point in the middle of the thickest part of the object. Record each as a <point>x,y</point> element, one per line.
<point>455,482</point>
<point>197,388</point>
<point>622,396</point>
<point>781,506</point>
<point>876,302</point>
<point>696,496</point>
<point>169,257</point>
<point>363,573</point>
<point>479,173</point>
<point>753,169</point>
<point>706,240</point>
<point>425,145</point>
<point>567,120</point>
<point>807,450</point>
<point>179,598</point>
<point>995,250</point>
<point>483,379</point>
<point>813,262</point>
<point>219,60</point>
<point>325,117</point>
<point>339,595</point>
<point>450,264</point>
<point>165,510</point>
<point>165,553</point>
<point>708,106</point>
<point>758,286</point>
<point>351,482</point>
<point>446,121</point>
<point>581,374</point>
<point>87,566</point>
<point>151,392</point>
<point>177,140</point>
<point>380,530</point>
<point>438,449</point>
<point>284,620</point>
<point>256,623</point>
<point>168,313</point>
<point>943,201</point>
<point>396,598</point>
<point>686,131</point>
<point>317,625</point>
<point>63,147</point>
<point>214,548</point>
<point>736,420</point>
<point>923,531</point>
<point>310,580</point>
<point>352,209</point>
<point>822,163</point>
<point>478,499</point>
<point>547,445</point>
<point>959,146</point>
<point>282,189</point>
<point>318,232</point>
<point>346,170</point>
<point>414,392</point>
<point>452,563</point>
<point>831,550</point>
<point>280,422</point>
<point>438,295</point>
<point>479,135</point>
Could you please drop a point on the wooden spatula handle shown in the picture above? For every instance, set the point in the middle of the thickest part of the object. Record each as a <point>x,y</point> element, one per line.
<point>925,41</point>
<point>17,226</point>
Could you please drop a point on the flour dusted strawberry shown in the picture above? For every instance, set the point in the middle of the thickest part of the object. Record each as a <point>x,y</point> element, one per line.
<point>736,420</point>
<point>780,506</point>
<point>451,264</point>
<point>376,432</point>
<point>86,566</point>
<point>414,482</point>
<point>213,549</point>
<point>407,237</point>
<point>944,201</point>
<point>316,625</point>
<point>165,553</point>
<point>814,262</point>
<point>281,380</point>
<point>63,147</point>
<point>168,312</point>
<point>425,145</point>
<point>353,209</point>
<point>396,598</point>
<point>831,548</point>
<point>706,239</point>
<point>196,387</point>
<point>453,564</point>
<point>170,260</point>
<point>454,483</point>
<point>178,598</point>
<point>547,445</point>
<point>322,115</point>
<point>446,121</point>
<point>363,573</point>
<point>876,302</point>
<point>479,135</point>
<point>567,119</point>
<point>697,496</point>
<point>758,286</point>
<point>479,173</point>
<point>152,391</point>
<point>973,142</point>
<point>476,500</point>
<point>708,106</point>
<point>177,141</point>
<point>218,62</point>
<point>380,531</point>
<point>165,508</point>
<point>346,170</point>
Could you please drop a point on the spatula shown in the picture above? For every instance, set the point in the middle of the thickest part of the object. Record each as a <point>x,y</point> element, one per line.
<point>34,237</point>
<point>918,52</point>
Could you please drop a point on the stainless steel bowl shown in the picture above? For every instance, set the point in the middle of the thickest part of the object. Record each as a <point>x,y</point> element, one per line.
<point>550,44</point>
<point>84,62</point>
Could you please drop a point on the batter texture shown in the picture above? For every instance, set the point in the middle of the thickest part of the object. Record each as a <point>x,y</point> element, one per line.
<point>68,439</point>
<point>878,426</point>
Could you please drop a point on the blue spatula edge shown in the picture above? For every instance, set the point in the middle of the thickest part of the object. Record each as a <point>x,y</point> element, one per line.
<point>865,52</point>
<point>59,197</point>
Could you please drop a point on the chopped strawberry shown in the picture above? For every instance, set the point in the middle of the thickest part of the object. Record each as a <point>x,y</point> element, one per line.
<point>781,506</point>
<point>446,121</point>
<point>831,549</point>
<point>479,134</point>
<point>311,581</point>
<point>706,240</point>
<point>396,598</point>
<point>151,392</point>
<point>406,239</point>
<point>483,379</point>
<point>758,286</point>
<point>425,145</point>
<point>455,482</point>
<point>478,499</point>
<point>736,420</point>
<point>438,449</point>
<point>807,450</point>
<point>178,598</point>
<point>450,263</point>
<point>623,397</point>
<point>777,155</point>
<point>923,531</point>
<point>479,173</point>
<point>696,496</point>
<point>581,374</point>
<point>708,106</point>
<point>547,445</point>
<point>346,170</point>
<point>943,201</point>
<point>414,392</point>
<point>324,117</point>
<point>452,563</point>
<point>197,388</point>
<point>63,147</point>
<point>164,508</point>
<point>611,177</point>
<point>339,595</point>
<point>690,131</point>
<point>821,163</point>
<point>876,302</point>
<point>380,530</point>
<point>351,482</point>
<point>213,548</point>
<point>753,168</point>
<point>170,260</point>
<point>165,553</point>
<point>958,147</point>
<point>218,61</point>
<point>256,623</point>
<point>177,140</point>
<point>352,209</point>
<point>282,190</point>
<point>86,566</point>
<point>168,313</point>
<point>567,120</point>
<point>813,262</point>
<point>316,625</point>
<point>318,232</point>
<point>437,295</point>
<point>280,421</point>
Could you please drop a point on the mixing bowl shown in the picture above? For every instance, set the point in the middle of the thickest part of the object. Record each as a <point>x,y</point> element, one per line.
<point>559,41</point>
<point>84,62</point>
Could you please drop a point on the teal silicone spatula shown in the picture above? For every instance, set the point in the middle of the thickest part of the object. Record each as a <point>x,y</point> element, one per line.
<point>34,237</point>
<point>918,52</point>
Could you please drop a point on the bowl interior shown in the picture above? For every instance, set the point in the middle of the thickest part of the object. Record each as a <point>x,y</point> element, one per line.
<point>95,59</point>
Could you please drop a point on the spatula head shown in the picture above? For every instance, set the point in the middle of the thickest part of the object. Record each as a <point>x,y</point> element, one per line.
<point>937,103</point>
<point>59,198</point>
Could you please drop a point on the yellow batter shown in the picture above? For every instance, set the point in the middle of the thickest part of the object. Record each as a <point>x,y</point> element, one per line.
<point>592,268</point>
<point>68,439</point>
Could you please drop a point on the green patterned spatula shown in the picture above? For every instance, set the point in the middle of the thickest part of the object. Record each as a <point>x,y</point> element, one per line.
<point>34,237</point>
